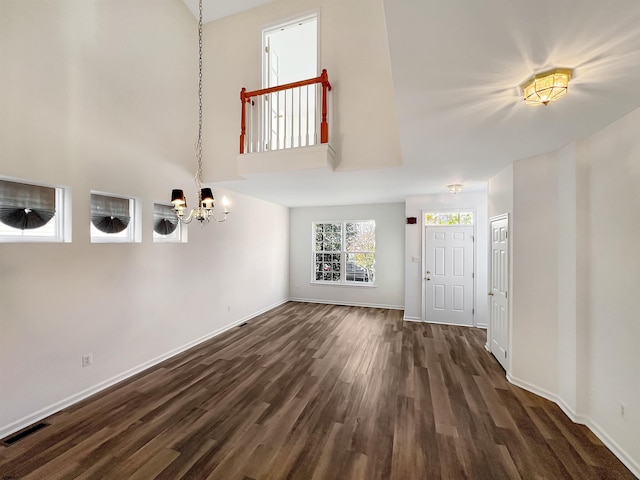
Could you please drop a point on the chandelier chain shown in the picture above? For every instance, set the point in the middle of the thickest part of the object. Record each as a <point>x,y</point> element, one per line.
<point>199,140</point>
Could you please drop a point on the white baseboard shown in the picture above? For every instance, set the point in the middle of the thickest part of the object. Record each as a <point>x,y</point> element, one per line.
<point>585,420</point>
<point>348,304</point>
<point>419,320</point>
<point>75,398</point>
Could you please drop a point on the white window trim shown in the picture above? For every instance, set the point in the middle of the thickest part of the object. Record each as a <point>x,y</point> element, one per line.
<point>343,259</point>
<point>62,218</point>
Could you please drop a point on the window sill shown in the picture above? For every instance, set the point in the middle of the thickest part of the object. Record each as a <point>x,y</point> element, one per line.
<point>343,284</point>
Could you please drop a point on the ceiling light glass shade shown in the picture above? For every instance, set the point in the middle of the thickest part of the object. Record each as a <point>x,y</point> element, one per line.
<point>546,87</point>
<point>455,187</point>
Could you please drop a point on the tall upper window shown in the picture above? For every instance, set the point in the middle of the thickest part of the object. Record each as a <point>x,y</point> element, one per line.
<point>344,252</point>
<point>31,213</point>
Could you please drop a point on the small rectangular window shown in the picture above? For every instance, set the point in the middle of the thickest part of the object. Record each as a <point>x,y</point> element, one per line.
<point>113,219</point>
<point>448,218</point>
<point>167,228</point>
<point>32,213</point>
<point>344,252</point>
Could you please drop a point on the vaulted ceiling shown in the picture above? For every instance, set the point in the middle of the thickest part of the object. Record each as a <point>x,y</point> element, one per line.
<point>457,66</point>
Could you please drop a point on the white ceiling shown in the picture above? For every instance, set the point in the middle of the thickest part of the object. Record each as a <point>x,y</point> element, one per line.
<point>457,65</point>
<point>215,9</point>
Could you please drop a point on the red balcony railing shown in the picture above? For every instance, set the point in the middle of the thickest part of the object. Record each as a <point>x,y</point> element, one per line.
<point>285,116</point>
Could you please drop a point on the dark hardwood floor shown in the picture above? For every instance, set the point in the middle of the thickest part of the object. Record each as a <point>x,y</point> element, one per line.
<point>311,391</point>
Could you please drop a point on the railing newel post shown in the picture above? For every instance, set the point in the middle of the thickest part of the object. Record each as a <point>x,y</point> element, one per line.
<point>243,126</point>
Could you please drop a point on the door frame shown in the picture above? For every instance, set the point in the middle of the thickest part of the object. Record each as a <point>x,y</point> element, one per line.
<point>423,242</point>
<point>507,217</point>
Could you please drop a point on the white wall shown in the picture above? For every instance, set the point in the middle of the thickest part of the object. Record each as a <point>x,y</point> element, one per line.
<point>613,156</point>
<point>575,328</point>
<point>389,289</point>
<point>413,248</point>
<point>500,192</point>
<point>100,95</point>
<point>354,50</point>
<point>534,299</point>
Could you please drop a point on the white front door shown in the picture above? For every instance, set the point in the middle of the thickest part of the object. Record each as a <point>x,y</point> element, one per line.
<point>498,293</point>
<point>449,279</point>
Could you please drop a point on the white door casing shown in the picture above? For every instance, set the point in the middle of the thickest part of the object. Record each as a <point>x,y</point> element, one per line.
<point>273,119</point>
<point>498,293</point>
<point>449,278</point>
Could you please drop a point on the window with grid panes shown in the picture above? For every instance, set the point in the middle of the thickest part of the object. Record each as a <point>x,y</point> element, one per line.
<point>344,252</point>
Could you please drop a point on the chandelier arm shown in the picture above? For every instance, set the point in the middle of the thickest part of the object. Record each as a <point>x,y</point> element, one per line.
<point>212,215</point>
<point>190,218</point>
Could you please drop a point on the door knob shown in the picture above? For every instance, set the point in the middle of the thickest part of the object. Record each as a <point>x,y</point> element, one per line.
<point>490,293</point>
<point>427,278</point>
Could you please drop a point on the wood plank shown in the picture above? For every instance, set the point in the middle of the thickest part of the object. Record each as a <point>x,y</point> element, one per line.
<point>314,392</point>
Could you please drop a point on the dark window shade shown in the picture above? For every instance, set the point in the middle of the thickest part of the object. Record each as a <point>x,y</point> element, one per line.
<point>26,206</point>
<point>165,220</point>
<point>109,214</point>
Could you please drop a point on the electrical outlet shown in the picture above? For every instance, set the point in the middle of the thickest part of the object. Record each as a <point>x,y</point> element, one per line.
<point>87,360</point>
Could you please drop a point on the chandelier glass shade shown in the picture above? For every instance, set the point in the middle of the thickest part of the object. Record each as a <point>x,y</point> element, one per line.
<point>546,87</point>
<point>206,202</point>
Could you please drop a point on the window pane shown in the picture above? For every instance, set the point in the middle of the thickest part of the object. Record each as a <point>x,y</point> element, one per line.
<point>30,212</point>
<point>166,225</point>
<point>360,267</point>
<point>449,218</point>
<point>111,218</point>
<point>360,236</point>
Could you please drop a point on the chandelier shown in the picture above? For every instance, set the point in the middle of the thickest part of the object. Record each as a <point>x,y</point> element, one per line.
<point>204,211</point>
<point>546,87</point>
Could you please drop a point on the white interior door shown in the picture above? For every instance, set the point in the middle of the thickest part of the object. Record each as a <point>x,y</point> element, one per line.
<point>449,279</point>
<point>498,294</point>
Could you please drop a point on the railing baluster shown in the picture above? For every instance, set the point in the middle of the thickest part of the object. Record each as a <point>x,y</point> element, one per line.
<point>307,115</point>
<point>299,89</point>
<point>264,135</point>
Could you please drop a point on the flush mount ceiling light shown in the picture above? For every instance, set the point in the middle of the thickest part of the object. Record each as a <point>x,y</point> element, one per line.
<point>204,211</point>
<point>455,188</point>
<point>547,86</point>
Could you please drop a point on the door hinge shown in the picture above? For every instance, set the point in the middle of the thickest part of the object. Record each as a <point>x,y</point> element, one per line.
<point>266,49</point>
<point>505,354</point>
<point>473,311</point>
<point>506,294</point>
<point>473,238</point>
<point>473,275</point>
<point>506,234</point>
